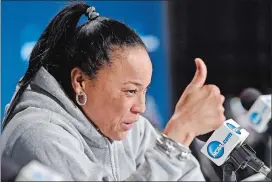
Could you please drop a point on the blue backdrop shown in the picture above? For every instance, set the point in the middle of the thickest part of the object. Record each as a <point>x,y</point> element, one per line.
<point>24,21</point>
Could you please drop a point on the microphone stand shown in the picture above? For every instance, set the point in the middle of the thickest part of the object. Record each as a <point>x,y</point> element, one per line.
<point>241,157</point>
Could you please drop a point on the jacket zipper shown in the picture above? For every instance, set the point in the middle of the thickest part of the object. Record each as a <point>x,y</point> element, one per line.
<point>111,155</point>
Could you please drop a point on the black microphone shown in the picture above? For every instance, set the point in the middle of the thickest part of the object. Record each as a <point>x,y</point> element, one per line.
<point>226,147</point>
<point>259,110</point>
<point>248,97</point>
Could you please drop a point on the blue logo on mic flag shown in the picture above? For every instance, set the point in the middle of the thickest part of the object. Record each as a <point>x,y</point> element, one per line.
<point>255,118</point>
<point>235,129</point>
<point>215,149</point>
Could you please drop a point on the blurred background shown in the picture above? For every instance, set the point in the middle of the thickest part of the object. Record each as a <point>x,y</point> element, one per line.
<point>232,37</point>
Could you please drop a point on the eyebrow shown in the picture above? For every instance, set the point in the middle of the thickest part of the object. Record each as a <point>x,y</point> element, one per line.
<point>133,82</point>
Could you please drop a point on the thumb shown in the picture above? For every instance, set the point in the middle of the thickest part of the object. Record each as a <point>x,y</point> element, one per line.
<point>200,74</point>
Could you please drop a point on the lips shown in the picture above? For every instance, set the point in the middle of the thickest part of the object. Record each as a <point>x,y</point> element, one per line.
<point>127,125</point>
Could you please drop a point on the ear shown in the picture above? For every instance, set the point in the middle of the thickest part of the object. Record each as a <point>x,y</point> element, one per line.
<point>78,80</point>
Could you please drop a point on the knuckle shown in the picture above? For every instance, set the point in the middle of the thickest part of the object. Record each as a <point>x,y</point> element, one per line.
<point>219,120</point>
<point>218,123</point>
<point>222,118</point>
<point>221,109</point>
<point>213,89</point>
<point>222,98</point>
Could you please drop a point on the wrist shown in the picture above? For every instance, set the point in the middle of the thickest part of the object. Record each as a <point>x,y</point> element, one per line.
<point>172,148</point>
<point>179,132</point>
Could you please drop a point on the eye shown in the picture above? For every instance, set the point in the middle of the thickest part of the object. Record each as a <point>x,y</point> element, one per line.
<point>132,91</point>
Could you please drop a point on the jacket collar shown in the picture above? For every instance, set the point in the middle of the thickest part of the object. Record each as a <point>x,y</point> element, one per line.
<point>48,83</point>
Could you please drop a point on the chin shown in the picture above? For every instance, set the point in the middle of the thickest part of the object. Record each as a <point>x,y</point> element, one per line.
<point>120,136</point>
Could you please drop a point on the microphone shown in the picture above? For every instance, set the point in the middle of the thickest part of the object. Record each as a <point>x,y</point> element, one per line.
<point>223,141</point>
<point>248,96</point>
<point>258,115</point>
<point>226,145</point>
<point>33,171</point>
<point>259,109</point>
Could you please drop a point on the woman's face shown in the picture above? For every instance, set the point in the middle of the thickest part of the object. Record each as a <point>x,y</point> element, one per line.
<point>116,98</point>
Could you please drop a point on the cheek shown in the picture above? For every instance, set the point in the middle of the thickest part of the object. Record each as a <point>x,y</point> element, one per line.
<point>122,112</point>
<point>110,109</point>
<point>122,105</point>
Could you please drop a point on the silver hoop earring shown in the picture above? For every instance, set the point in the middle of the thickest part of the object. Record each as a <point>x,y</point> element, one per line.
<point>84,99</point>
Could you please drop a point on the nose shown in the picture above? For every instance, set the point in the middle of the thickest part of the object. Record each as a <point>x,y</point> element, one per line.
<point>139,106</point>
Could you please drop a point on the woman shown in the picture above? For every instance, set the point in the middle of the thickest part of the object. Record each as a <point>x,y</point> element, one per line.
<point>78,106</point>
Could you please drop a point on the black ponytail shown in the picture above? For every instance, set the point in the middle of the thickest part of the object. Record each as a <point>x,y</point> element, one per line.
<point>64,46</point>
<point>52,41</point>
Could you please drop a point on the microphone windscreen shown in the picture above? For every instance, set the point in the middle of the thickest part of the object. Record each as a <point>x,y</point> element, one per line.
<point>248,97</point>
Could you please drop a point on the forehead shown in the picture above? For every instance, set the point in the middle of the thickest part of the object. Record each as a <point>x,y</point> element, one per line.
<point>135,59</point>
<point>129,63</point>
